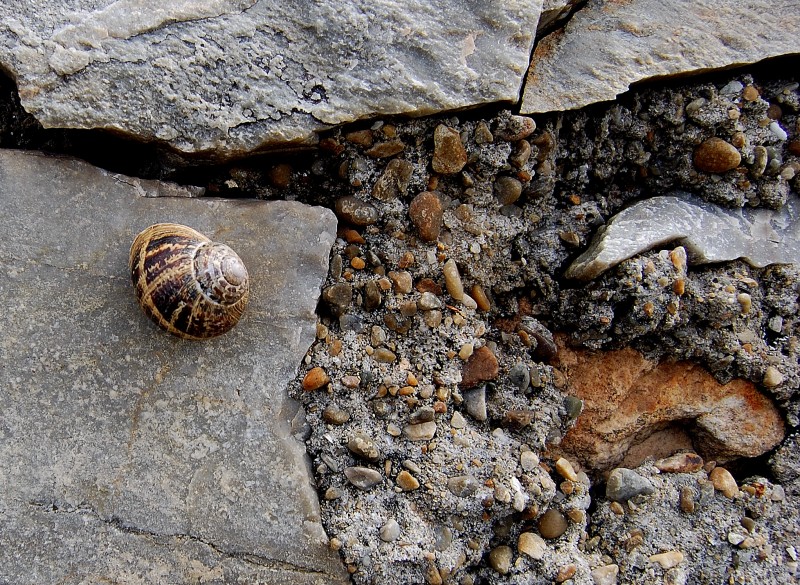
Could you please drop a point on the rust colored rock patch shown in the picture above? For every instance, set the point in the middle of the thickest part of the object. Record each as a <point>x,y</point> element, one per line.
<point>628,398</point>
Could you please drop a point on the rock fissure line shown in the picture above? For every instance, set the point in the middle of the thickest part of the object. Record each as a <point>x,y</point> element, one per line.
<point>56,507</point>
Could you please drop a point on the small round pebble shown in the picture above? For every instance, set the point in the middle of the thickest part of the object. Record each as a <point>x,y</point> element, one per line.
<point>716,156</point>
<point>482,366</point>
<point>528,460</point>
<point>507,190</point>
<point>566,572</point>
<point>481,299</point>
<point>363,446</point>
<point>333,415</point>
<point>393,183</point>
<point>517,128</point>
<point>686,503</point>
<point>384,355</point>
<point>532,545</point>
<point>723,482</point>
<point>772,377</point>
<point>390,531</point>
<point>426,212</point>
<point>363,477</point>
<point>500,559</point>
<point>449,155</point>
<point>357,212</point>
<point>552,524</point>
<point>428,301</point>
<point>315,379</point>
<point>462,486</point>
<point>402,281</point>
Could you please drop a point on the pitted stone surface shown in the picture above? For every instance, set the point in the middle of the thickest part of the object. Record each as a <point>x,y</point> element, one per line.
<point>608,45</point>
<point>229,76</point>
<point>128,454</point>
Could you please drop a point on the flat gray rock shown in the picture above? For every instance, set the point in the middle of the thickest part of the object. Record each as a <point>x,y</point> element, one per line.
<point>709,233</point>
<point>608,45</point>
<point>230,76</point>
<point>127,454</point>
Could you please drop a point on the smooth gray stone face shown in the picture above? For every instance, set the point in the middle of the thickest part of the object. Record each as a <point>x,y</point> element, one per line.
<point>608,45</point>
<point>228,76</point>
<point>709,233</point>
<point>127,454</point>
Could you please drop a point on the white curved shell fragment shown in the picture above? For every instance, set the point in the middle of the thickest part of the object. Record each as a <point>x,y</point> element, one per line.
<point>708,232</point>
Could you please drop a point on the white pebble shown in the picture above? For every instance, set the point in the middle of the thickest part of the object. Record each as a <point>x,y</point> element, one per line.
<point>778,131</point>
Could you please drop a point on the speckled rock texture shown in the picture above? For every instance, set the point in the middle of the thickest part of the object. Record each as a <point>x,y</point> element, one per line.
<point>608,45</point>
<point>129,455</point>
<point>225,77</point>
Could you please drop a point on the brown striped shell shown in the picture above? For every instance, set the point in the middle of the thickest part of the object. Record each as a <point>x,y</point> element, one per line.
<point>188,285</point>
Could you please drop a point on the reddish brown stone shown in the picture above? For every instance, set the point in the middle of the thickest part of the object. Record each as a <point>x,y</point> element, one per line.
<point>426,212</point>
<point>449,155</point>
<point>716,156</point>
<point>628,398</point>
<point>480,367</point>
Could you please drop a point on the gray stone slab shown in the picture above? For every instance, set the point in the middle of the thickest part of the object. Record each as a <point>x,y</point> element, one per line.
<point>608,45</point>
<point>128,455</point>
<point>228,76</point>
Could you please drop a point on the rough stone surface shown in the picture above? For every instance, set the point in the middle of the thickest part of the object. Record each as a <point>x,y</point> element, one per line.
<point>230,76</point>
<point>608,45</point>
<point>708,232</point>
<point>628,398</point>
<point>126,451</point>
<point>623,484</point>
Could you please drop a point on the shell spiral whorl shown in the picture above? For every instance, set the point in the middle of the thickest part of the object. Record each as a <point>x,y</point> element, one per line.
<point>188,285</point>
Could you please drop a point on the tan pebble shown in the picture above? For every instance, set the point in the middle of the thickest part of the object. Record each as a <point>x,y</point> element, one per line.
<point>531,544</point>
<point>552,524</point>
<point>402,281</point>
<point>724,482</point>
<point>687,500</point>
<point>335,543</point>
<point>458,421</point>
<point>384,355</point>
<point>358,263</point>
<point>772,377</point>
<point>433,576</point>
<point>680,463</point>
<point>480,298</point>
<point>566,572</point>
<point>420,432</point>
<point>577,515</point>
<point>606,575</point>
<point>386,149</point>
<point>466,351</point>
<point>452,280</point>
<point>668,559</point>
<point>426,212</point>
<point>716,156</point>
<point>393,430</point>
<point>679,286</point>
<point>617,508</point>
<point>500,559</point>
<point>745,302</point>
<point>315,379</point>
<point>469,302</point>
<point>678,258</point>
<point>482,134</point>
<point>406,481</point>
<point>565,470</point>
<point>334,415</point>
<point>449,155</point>
<point>750,93</point>
<point>360,138</point>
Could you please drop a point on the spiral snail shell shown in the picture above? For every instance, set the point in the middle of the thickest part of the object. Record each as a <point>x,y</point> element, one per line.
<point>188,285</point>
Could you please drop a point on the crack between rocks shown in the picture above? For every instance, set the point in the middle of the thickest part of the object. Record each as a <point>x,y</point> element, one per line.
<point>55,507</point>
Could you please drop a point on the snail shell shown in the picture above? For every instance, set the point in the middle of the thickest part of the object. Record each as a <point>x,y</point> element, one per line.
<point>190,286</point>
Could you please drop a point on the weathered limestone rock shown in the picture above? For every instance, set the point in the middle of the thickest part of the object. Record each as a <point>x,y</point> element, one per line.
<point>125,451</point>
<point>708,232</point>
<point>230,76</point>
<point>608,45</point>
<point>628,398</point>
